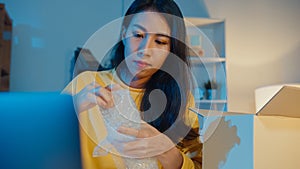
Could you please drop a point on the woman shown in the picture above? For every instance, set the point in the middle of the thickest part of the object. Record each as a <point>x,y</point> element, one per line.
<point>150,55</point>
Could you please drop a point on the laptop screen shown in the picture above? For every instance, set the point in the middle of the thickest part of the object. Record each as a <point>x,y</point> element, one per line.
<point>38,131</point>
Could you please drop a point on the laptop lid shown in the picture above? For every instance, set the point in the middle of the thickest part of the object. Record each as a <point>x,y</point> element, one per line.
<point>38,131</point>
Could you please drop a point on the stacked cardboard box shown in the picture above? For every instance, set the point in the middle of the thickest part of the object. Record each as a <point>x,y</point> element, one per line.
<point>5,48</point>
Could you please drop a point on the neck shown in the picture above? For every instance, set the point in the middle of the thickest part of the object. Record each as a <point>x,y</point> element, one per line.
<point>137,81</point>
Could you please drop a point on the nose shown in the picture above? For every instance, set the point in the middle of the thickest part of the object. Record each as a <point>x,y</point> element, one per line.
<point>145,46</point>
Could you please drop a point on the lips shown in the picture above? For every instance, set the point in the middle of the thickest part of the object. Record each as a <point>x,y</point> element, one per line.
<point>141,64</point>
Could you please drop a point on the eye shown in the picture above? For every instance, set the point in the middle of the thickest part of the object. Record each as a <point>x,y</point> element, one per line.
<point>161,42</point>
<point>138,35</point>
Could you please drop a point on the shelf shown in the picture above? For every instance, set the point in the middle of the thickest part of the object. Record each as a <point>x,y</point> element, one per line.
<point>196,60</point>
<point>191,21</point>
<point>211,101</point>
<point>206,42</point>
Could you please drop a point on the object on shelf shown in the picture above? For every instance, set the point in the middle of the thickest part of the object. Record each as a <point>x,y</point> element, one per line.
<point>198,93</point>
<point>195,42</point>
<point>211,89</point>
<point>196,51</point>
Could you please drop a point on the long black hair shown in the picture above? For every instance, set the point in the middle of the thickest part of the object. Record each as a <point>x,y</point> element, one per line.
<point>176,90</point>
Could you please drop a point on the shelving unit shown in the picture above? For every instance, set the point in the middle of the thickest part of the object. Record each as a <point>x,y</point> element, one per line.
<point>5,48</point>
<point>206,39</point>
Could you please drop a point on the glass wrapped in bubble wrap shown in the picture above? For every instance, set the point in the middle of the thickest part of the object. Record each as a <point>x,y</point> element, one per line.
<point>124,113</point>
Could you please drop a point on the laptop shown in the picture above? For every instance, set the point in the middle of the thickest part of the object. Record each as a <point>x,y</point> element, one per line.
<point>38,131</point>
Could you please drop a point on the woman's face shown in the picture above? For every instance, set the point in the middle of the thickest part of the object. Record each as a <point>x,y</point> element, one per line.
<point>146,43</point>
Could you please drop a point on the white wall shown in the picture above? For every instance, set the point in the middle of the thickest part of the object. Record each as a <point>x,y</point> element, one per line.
<point>46,33</point>
<point>262,40</point>
<point>262,46</point>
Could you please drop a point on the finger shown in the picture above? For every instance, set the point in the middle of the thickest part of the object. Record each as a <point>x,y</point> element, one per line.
<point>141,149</point>
<point>94,96</point>
<point>113,87</point>
<point>86,101</point>
<point>149,130</point>
<point>94,99</point>
<point>104,95</point>
<point>128,131</point>
<point>147,147</point>
<point>102,103</point>
<point>137,149</point>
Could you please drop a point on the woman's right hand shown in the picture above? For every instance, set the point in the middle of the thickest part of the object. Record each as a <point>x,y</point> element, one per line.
<point>94,94</point>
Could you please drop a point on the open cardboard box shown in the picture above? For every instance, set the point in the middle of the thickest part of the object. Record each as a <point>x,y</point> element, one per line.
<point>268,139</point>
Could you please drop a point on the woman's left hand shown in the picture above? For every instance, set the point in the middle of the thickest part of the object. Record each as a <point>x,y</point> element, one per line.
<point>150,142</point>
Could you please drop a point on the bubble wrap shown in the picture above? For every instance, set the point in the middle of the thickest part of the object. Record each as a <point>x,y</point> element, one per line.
<point>126,114</point>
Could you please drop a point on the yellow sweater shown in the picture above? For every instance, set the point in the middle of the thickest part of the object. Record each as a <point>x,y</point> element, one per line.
<point>92,128</point>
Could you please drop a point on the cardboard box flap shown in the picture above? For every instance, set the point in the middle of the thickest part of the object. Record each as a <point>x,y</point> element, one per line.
<point>207,113</point>
<point>286,102</point>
